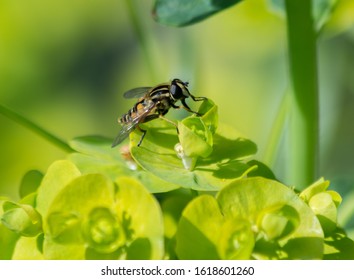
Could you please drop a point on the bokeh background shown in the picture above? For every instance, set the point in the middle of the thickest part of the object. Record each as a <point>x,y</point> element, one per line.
<point>65,64</point>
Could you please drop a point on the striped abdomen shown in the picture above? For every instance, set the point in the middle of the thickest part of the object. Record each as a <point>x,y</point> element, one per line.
<point>142,108</point>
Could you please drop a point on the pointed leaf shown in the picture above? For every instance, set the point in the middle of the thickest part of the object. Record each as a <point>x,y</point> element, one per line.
<point>277,214</point>
<point>30,182</point>
<point>142,213</point>
<point>59,174</point>
<point>96,155</point>
<point>157,155</point>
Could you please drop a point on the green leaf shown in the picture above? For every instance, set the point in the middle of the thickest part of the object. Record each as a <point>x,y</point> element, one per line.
<point>209,112</point>
<point>8,238</point>
<point>193,158</point>
<point>336,198</point>
<point>29,199</point>
<point>91,219</point>
<point>157,155</point>
<point>172,205</point>
<point>69,230</point>
<point>262,170</point>
<point>95,155</point>
<point>27,249</point>
<point>325,209</point>
<point>236,240</point>
<point>198,230</point>
<point>186,12</point>
<point>142,216</point>
<point>103,231</point>
<point>317,187</point>
<point>21,218</point>
<point>279,222</point>
<point>250,216</point>
<point>59,174</point>
<point>338,246</point>
<point>94,145</point>
<point>30,182</point>
<point>323,203</point>
<point>277,215</point>
<point>195,138</point>
<point>205,233</point>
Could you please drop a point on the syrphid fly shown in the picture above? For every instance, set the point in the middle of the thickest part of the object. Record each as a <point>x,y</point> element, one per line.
<point>153,103</point>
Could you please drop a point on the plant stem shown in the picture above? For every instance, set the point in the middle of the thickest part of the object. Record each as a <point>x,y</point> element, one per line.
<point>303,70</point>
<point>139,31</point>
<point>277,130</point>
<point>35,128</point>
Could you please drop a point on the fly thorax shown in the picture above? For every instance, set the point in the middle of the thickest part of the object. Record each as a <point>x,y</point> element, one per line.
<point>163,105</point>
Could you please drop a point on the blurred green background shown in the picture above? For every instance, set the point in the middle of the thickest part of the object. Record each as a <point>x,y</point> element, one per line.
<point>65,65</point>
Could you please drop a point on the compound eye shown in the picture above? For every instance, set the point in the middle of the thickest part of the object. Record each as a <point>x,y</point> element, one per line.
<point>176,91</point>
<point>173,88</point>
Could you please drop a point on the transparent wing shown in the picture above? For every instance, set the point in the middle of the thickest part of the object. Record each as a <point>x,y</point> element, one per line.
<point>123,133</point>
<point>129,127</point>
<point>136,92</point>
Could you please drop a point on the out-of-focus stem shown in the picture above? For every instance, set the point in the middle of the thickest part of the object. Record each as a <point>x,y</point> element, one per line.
<point>35,128</point>
<point>304,120</point>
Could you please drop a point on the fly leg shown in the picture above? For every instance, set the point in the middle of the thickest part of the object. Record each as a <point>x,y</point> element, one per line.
<point>200,98</point>
<point>147,119</point>
<point>142,136</point>
<point>186,107</point>
<point>169,121</point>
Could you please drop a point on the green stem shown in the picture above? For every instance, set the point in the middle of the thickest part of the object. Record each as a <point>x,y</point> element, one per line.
<point>139,31</point>
<point>277,130</point>
<point>303,70</point>
<point>35,128</point>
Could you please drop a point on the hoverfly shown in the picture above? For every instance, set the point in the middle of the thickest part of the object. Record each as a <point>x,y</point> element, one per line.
<point>153,103</point>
